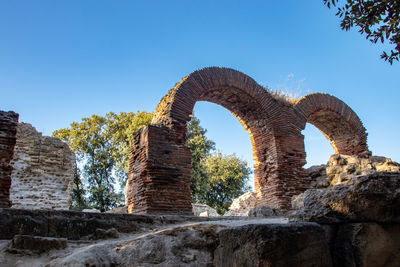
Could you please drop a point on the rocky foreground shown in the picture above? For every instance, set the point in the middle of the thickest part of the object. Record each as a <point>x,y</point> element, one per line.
<point>350,217</point>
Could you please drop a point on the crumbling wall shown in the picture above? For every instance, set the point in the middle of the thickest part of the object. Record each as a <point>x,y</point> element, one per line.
<point>8,132</point>
<point>43,171</point>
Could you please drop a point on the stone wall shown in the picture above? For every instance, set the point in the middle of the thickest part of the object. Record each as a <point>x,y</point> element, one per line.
<point>157,180</point>
<point>8,132</point>
<point>43,170</point>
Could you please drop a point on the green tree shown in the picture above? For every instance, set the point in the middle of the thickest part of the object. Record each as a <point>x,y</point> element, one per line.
<point>227,178</point>
<point>91,143</point>
<point>78,192</point>
<point>216,179</point>
<point>379,20</point>
<point>102,147</point>
<point>200,147</point>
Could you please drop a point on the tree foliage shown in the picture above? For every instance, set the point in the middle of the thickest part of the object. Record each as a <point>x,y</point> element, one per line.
<point>102,148</point>
<point>217,179</point>
<point>78,192</point>
<point>200,147</point>
<point>379,20</point>
<point>227,178</point>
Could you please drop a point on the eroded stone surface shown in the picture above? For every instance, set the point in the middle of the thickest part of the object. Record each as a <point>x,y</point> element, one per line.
<point>302,244</point>
<point>264,211</point>
<point>43,169</point>
<point>243,204</point>
<point>99,239</point>
<point>369,198</point>
<point>342,168</point>
<point>365,244</point>
<point>27,244</point>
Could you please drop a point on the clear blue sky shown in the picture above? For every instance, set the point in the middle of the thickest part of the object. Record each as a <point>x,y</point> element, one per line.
<point>64,60</point>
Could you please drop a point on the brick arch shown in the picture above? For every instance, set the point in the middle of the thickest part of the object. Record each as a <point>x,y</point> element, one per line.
<point>250,103</point>
<point>337,121</point>
<point>259,113</point>
<point>222,86</point>
<point>160,167</point>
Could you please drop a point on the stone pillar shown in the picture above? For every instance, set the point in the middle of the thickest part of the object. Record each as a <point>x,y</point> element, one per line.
<point>8,132</point>
<point>159,173</point>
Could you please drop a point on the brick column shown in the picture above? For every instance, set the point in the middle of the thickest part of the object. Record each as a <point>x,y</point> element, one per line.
<point>8,133</point>
<point>159,173</point>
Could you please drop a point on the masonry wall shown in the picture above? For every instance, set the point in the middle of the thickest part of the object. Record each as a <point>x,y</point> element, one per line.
<point>8,132</point>
<point>43,171</point>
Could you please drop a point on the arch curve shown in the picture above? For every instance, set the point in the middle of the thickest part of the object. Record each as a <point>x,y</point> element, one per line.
<point>337,121</point>
<point>177,105</point>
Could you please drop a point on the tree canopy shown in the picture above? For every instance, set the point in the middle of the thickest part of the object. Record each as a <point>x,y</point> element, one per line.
<point>217,179</point>
<point>378,20</point>
<point>101,144</point>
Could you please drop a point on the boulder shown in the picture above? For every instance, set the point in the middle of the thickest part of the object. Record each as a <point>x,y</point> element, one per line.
<point>342,168</point>
<point>191,245</point>
<point>26,244</point>
<point>243,204</point>
<point>368,198</point>
<point>365,244</point>
<point>203,210</point>
<point>300,244</point>
<point>123,209</point>
<point>104,234</point>
<point>318,176</point>
<point>91,210</point>
<point>264,211</point>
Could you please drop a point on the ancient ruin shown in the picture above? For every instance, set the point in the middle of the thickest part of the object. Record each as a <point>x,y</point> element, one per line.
<point>43,171</point>
<point>8,132</point>
<point>159,178</point>
<point>36,172</point>
<point>348,216</point>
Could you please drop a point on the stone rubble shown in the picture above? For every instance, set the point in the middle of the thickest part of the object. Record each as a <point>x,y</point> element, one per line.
<point>243,204</point>
<point>203,210</point>
<point>342,168</point>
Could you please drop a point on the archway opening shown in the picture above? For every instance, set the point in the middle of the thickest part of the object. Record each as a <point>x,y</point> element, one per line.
<point>233,147</point>
<point>317,147</point>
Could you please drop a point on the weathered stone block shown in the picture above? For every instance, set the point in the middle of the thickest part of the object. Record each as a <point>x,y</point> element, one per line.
<point>27,244</point>
<point>370,198</point>
<point>364,244</point>
<point>301,244</point>
<point>43,171</point>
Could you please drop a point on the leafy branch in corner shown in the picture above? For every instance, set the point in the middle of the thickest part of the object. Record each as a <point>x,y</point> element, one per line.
<point>378,20</point>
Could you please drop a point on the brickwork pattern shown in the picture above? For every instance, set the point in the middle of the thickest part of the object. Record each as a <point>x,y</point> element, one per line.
<point>8,135</point>
<point>159,179</point>
<point>43,171</point>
